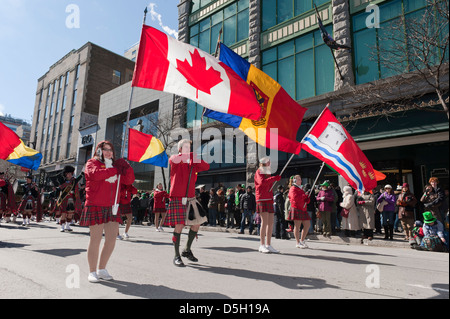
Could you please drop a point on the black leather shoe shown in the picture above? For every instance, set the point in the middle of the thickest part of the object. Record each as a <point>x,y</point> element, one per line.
<point>189,255</point>
<point>178,262</point>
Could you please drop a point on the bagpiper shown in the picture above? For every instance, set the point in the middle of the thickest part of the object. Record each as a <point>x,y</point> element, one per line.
<point>31,203</point>
<point>69,201</point>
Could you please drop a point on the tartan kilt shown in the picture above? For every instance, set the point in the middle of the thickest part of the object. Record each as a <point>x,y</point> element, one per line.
<point>125,209</point>
<point>297,214</point>
<point>97,215</point>
<point>176,214</point>
<point>265,207</point>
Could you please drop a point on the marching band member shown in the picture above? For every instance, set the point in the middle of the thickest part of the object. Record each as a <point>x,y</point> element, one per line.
<point>264,204</point>
<point>159,206</point>
<point>7,198</point>
<point>31,201</point>
<point>69,201</point>
<point>127,190</point>
<point>183,175</point>
<point>101,174</point>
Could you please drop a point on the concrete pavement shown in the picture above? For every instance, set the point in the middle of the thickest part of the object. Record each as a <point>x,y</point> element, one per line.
<point>41,262</point>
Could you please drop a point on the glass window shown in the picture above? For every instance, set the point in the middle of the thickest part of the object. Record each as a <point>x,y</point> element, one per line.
<point>229,11</point>
<point>204,41</point>
<point>301,6</point>
<point>366,69</point>
<point>242,25</point>
<point>229,31</point>
<point>269,56</point>
<point>324,72</point>
<point>195,5</point>
<point>284,10</point>
<point>286,49</point>
<point>217,18</point>
<point>205,24</point>
<point>269,19</point>
<point>194,29</point>
<point>304,68</point>
<point>286,75</point>
<point>271,70</point>
<point>242,5</point>
<point>215,30</point>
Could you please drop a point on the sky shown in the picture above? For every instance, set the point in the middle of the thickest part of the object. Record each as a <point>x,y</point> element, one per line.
<point>35,34</point>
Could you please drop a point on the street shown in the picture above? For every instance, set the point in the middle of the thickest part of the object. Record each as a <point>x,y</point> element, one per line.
<point>41,262</point>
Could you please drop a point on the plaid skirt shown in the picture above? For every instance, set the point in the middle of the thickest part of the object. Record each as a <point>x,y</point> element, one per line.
<point>97,215</point>
<point>265,207</point>
<point>125,209</point>
<point>176,214</point>
<point>297,214</point>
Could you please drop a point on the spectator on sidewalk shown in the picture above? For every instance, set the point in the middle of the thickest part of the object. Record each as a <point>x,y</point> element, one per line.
<point>247,203</point>
<point>388,212</point>
<point>406,201</point>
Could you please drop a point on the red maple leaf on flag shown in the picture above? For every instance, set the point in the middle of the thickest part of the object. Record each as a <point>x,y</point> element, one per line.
<point>197,75</point>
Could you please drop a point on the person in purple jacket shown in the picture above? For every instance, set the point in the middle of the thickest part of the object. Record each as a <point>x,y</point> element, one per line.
<point>325,199</point>
<point>388,212</point>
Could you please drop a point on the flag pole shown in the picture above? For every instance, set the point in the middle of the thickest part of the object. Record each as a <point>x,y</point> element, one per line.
<point>315,182</point>
<point>284,168</point>
<point>115,207</point>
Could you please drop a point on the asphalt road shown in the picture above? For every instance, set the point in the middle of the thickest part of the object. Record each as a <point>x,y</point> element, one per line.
<point>41,262</point>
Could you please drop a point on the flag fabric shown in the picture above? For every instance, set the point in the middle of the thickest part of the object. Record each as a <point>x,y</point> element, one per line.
<point>13,150</point>
<point>145,148</point>
<point>279,110</point>
<point>330,142</point>
<point>165,64</point>
<point>329,41</point>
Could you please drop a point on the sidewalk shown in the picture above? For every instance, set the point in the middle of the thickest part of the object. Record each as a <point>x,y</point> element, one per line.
<point>339,238</point>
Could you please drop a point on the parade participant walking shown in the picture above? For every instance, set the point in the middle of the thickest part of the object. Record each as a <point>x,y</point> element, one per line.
<point>366,209</point>
<point>298,212</point>
<point>159,206</point>
<point>388,211</point>
<point>127,190</point>
<point>101,175</point>
<point>69,200</point>
<point>7,198</point>
<point>325,198</point>
<point>264,204</point>
<point>31,202</point>
<point>406,201</point>
<point>183,175</point>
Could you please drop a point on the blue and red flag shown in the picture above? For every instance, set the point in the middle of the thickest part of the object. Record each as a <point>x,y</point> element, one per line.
<point>13,150</point>
<point>330,142</point>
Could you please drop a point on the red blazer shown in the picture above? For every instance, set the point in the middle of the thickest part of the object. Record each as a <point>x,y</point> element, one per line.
<point>99,192</point>
<point>263,183</point>
<point>126,193</point>
<point>159,197</point>
<point>179,174</point>
<point>298,198</point>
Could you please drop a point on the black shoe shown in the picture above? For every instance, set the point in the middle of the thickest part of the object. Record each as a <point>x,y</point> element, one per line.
<point>189,255</point>
<point>178,262</point>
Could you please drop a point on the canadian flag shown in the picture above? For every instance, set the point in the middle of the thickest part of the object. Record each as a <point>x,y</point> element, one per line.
<point>168,65</point>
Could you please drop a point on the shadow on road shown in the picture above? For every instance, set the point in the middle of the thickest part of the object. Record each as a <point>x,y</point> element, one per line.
<point>157,292</point>
<point>289,282</point>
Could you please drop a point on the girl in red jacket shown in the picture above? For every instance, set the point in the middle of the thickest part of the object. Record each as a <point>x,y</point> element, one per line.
<point>127,191</point>
<point>298,212</point>
<point>182,166</point>
<point>101,174</point>
<point>264,204</point>
<point>159,206</point>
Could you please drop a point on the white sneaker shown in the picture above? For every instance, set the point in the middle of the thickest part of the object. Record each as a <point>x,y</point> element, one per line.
<point>157,229</point>
<point>263,249</point>
<point>67,227</point>
<point>103,274</point>
<point>272,250</point>
<point>302,245</point>
<point>125,236</point>
<point>93,277</point>
<point>119,237</point>
<point>160,228</point>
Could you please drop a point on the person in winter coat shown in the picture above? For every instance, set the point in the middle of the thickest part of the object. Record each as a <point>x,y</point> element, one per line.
<point>325,199</point>
<point>247,204</point>
<point>433,198</point>
<point>406,201</point>
<point>231,207</point>
<point>366,209</point>
<point>264,204</point>
<point>350,218</point>
<point>101,174</point>
<point>213,205</point>
<point>388,212</point>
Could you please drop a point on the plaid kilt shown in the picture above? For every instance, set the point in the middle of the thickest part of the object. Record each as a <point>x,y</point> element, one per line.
<point>97,215</point>
<point>297,214</point>
<point>125,209</point>
<point>265,207</point>
<point>176,214</point>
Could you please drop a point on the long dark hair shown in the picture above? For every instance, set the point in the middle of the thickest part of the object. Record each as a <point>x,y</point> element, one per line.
<point>99,151</point>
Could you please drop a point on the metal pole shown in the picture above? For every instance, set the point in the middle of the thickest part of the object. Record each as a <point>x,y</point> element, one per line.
<point>284,168</point>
